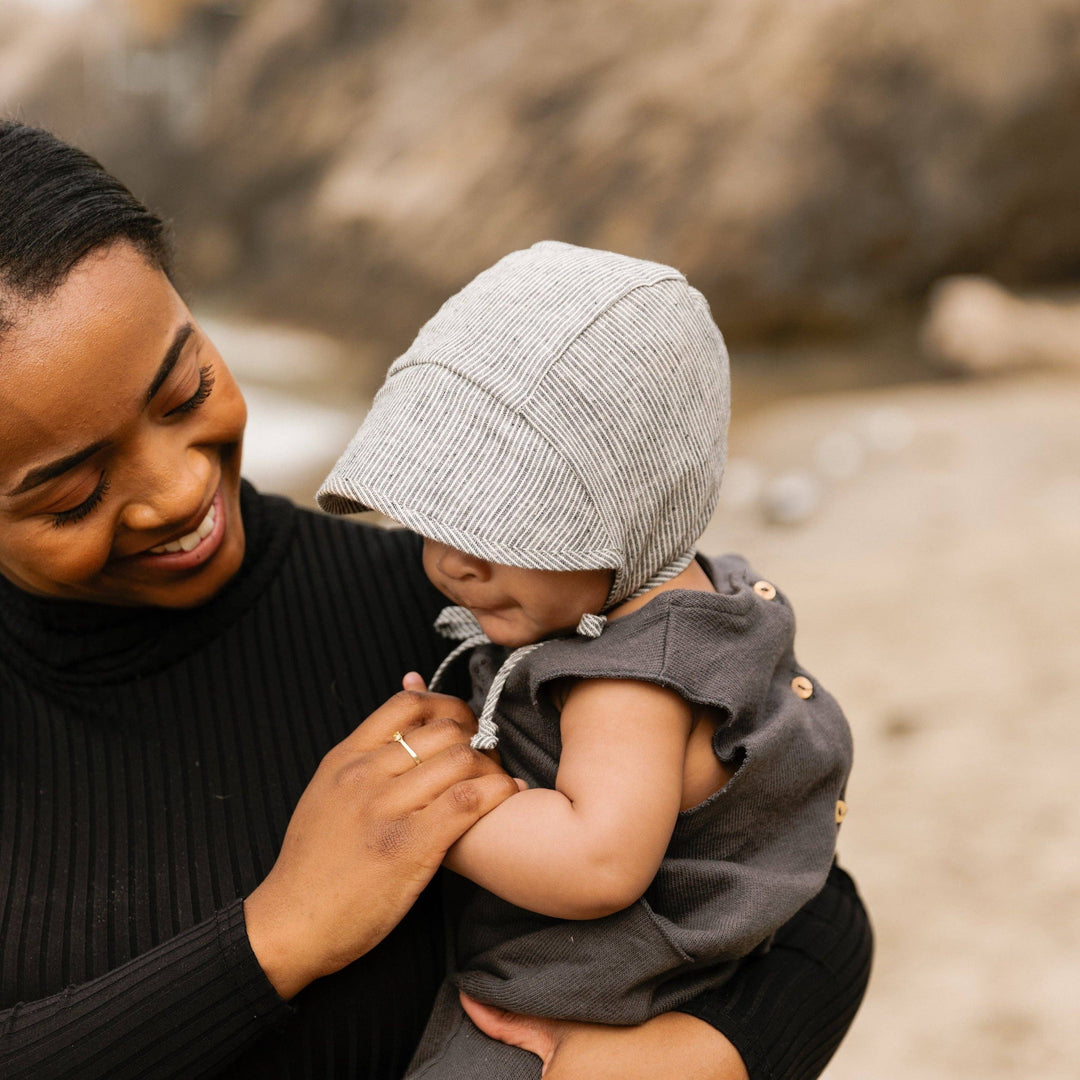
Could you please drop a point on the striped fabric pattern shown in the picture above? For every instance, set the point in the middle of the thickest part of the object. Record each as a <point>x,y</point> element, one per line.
<point>567,410</point>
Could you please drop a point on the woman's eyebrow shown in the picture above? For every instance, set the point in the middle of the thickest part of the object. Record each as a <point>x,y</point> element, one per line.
<point>41,473</point>
<point>56,468</point>
<point>175,349</point>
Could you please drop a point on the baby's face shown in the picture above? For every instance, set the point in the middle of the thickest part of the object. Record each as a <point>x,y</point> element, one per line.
<point>515,606</point>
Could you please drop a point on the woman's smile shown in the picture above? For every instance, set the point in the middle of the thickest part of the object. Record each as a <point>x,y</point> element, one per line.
<point>192,548</point>
<point>134,497</point>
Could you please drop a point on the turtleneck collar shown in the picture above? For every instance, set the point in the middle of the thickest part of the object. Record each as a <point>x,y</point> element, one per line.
<point>76,643</point>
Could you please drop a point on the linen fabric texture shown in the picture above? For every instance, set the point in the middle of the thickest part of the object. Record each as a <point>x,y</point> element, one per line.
<point>738,865</point>
<point>566,410</point>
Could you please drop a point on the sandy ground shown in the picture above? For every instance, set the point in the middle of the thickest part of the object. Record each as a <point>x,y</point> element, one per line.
<point>936,580</point>
<point>938,596</point>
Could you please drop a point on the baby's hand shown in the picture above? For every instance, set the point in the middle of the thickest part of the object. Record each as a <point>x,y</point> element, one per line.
<point>413,681</point>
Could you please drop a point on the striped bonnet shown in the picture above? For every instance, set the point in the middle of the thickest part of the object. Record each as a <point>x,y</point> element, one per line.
<point>566,410</point>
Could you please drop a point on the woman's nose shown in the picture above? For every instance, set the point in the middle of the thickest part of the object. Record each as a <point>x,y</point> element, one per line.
<point>170,495</point>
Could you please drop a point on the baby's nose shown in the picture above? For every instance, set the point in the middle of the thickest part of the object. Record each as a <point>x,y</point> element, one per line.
<point>461,566</point>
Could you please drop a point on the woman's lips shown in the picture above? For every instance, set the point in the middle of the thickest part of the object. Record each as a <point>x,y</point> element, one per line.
<point>189,541</point>
<point>195,547</point>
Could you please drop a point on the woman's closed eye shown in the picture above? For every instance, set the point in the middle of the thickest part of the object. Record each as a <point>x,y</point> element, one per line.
<point>202,392</point>
<point>93,500</point>
<point>87,506</point>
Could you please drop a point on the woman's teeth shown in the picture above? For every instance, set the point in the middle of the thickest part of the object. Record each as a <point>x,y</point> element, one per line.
<point>191,540</point>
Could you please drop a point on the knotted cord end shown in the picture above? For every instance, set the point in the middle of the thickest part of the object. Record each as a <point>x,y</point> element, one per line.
<point>484,740</point>
<point>591,626</point>
<point>459,624</point>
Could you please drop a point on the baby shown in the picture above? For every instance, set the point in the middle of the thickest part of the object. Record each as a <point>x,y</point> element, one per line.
<point>556,434</point>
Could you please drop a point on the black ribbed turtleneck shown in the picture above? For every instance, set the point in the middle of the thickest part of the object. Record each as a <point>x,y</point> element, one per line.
<point>149,763</point>
<point>82,644</point>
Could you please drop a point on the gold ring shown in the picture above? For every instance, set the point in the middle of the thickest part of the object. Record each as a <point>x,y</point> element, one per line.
<point>399,738</point>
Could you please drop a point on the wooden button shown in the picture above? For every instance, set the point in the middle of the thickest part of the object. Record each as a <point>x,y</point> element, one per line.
<point>802,686</point>
<point>841,810</point>
<point>764,590</point>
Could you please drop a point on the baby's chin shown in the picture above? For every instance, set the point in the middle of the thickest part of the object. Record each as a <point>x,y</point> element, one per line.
<point>513,632</point>
<point>506,630</point>
<point>508,638</point>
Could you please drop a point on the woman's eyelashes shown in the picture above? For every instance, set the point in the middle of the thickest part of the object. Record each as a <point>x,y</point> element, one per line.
<point>88,505</point>
<point>77,513</point>
<point>206,385</point>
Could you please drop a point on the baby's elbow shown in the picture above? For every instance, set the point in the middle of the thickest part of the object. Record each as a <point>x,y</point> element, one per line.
<point>607,889</point>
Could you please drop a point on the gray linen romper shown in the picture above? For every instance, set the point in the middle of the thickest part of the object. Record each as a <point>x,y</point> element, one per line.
<point>739,864</point>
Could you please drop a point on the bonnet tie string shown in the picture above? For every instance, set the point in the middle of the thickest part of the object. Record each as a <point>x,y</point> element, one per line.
<point>460,624</point>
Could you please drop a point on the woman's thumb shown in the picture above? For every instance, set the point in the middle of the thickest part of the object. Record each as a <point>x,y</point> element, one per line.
<point>413,681</point>
<point>532,1033</point>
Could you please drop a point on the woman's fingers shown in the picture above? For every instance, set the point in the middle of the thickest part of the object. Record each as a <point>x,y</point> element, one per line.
<point>427,741</point>
<point>464,782</point>
<point>406,710</point>
<point>417,708</point>
<point>447,817</point>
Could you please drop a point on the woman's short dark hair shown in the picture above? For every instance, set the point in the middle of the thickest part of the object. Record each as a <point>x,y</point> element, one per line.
<point>57,204</point>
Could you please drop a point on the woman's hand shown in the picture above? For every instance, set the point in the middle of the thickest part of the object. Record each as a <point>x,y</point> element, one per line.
<point>674,1046</point>
<point>367,835</point>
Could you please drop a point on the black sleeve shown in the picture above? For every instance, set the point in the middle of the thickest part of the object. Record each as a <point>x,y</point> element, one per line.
<point>184,1009</point>
<point>786,1011</point>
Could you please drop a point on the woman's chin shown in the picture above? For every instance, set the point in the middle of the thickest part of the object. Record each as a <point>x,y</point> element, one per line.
<point>181,579</point>
<point>209,582</point>
<point>212,576</point>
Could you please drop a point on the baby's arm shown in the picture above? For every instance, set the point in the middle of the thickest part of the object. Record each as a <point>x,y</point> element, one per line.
<point>591,846</point>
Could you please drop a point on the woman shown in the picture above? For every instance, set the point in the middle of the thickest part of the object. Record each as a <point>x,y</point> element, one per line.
<point>201,851</point>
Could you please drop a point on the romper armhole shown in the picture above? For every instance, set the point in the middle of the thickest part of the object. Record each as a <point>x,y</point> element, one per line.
<point>709,648</point>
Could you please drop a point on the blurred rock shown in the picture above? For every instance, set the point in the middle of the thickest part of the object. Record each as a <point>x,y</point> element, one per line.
<point>158,21</point>
<point>305,395</point>
<point>743,483</point>
<point>281,356</point>
<point>888,429</point>
<point>976,326</point>
<point>807,164</point>
<point>838,455</point>
<point>790,499</point>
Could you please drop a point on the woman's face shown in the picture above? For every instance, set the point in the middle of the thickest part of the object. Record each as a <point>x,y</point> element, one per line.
<point>120,436</point>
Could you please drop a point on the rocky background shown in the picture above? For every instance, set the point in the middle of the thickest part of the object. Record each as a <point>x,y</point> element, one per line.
<point>906,451</point>
<point>811,164</point>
